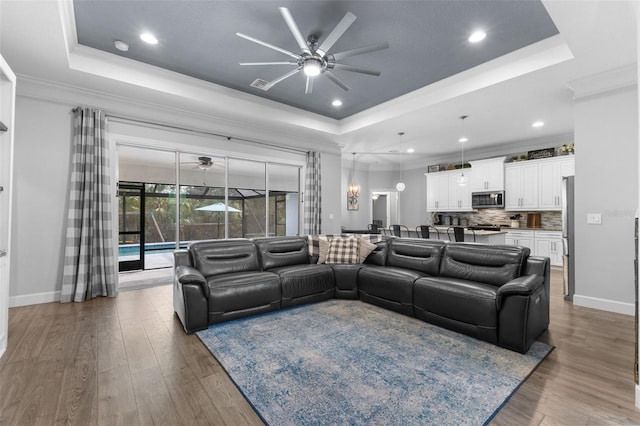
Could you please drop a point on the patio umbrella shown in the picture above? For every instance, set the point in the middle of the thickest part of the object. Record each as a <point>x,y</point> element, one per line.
<point>218,207</point>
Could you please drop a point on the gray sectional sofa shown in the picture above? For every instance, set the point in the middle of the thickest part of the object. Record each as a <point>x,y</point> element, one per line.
<point>499,294</point>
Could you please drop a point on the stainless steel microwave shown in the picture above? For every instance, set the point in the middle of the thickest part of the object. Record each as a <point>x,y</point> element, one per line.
<point>486,200</point>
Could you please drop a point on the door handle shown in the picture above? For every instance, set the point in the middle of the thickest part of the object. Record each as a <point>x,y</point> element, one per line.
<point>3,253</point>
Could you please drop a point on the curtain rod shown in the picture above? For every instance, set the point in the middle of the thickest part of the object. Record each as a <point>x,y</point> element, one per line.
<point>207,133</point>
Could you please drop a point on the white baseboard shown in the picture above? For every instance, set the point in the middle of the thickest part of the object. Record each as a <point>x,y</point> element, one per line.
<point>34,299</point>
<point>604,304</point>
<point>638,396</point>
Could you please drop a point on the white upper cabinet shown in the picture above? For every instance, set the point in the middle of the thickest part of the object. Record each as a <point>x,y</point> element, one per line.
<point>445,195</point>
<point>550,184</point>
<point>537,184</point>
<point>437,191</point>
<point>521,186</point>
<point>488,175</point>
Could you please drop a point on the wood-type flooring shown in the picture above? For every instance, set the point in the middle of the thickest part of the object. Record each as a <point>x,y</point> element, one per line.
<point>127,361</point>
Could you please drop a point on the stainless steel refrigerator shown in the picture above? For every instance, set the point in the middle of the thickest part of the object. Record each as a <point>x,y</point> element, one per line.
<point>568,237</point>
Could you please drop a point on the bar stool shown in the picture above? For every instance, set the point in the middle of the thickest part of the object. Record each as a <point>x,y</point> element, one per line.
<point>424,231</point>
<point>396,230</point>
<point>458,234</point>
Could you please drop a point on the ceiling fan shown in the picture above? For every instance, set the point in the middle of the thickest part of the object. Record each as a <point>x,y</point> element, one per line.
<point>315,59</point>
<point>203,163</point>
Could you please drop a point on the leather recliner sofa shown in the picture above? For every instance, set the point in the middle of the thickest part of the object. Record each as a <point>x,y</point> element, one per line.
<point>499,294</point>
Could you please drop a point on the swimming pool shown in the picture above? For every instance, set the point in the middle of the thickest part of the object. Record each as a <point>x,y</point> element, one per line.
<point>134,249</point>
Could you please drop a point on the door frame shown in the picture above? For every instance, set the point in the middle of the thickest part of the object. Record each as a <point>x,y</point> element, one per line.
<point>134,265</point>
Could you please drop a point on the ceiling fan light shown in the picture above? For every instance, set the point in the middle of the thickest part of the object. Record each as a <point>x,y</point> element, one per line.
<point>312,67</point>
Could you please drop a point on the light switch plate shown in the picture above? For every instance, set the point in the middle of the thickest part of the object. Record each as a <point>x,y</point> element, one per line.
<point>594,219</point>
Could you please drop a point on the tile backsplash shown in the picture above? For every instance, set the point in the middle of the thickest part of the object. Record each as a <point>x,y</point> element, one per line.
<point>548,219</point>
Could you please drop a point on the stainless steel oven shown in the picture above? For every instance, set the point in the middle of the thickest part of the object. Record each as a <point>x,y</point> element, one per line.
<point>489,199</point>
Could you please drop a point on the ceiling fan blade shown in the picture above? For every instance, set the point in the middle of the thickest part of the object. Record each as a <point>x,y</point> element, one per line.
<point>309,87</point>
<point>352,68</point>
<point>283,77</point>
<point>293,27</point>
<point>360,50</point>
<point>270,46</point>
<point>268,63</point>
<point>336,80</point>
<point>336,33</point>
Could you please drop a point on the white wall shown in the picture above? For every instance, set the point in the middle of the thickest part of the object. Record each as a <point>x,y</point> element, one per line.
<point>41,176</point>
<point>606,135</point>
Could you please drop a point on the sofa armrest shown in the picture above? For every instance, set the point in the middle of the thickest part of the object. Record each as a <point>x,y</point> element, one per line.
<point>190,275</point>
<point>523,286</point>
<point>190,298</point>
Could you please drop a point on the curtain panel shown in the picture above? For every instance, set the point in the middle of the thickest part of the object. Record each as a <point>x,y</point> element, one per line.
<point>90,262</point>
<point>312,198</point>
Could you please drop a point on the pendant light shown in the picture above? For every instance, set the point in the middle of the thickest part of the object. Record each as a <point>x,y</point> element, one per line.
<point>462,180</point>
<point>400,186</point>
<point>354,189</point>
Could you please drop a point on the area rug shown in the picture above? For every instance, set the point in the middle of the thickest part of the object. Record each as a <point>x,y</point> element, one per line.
<point>345,362</point>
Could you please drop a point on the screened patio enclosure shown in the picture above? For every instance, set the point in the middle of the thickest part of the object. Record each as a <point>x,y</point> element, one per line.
<point>231,198</point>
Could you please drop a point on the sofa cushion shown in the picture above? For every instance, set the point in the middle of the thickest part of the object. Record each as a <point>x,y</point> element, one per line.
<point>388,287</point>
<point>494,265</point>
<point>243,290</point>
<point>282,251</point>
<point>304,281</point>
<point>416,254</point>
<point>216,257</point>
<point>462,300</point>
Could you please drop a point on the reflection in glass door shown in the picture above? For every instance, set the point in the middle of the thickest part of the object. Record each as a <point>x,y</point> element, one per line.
<point>131,225</point>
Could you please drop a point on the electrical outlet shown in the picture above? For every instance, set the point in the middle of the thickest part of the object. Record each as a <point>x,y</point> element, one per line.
<point>594,219</point>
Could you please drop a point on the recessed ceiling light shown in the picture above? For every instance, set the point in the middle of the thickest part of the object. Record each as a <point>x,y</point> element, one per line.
<point>411,150</point>
<point>462,140</point>
<point>477,36</point>
<point>121,45</point>
<point>336,103</point>
<point>538,124</point>
<point>149,38</point>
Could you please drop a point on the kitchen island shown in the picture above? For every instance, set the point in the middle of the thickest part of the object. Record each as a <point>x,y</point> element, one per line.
<point>484,237</point>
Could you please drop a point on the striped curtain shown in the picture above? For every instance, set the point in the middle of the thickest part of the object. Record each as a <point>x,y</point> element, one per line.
<point>312,199</point>
<point>90,262</point>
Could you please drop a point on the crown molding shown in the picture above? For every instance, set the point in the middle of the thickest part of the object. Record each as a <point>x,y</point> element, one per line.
<point>136,109</point>
<point>625,77</point>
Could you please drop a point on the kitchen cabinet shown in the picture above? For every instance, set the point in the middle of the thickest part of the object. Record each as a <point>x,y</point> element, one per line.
<point>437,191</point>
<point>488,175</point>
<point>445,195</point>
<point>521,186</point>
<point>523,238</point>
<point>537,184</point>
<point>460,196</point>
<point>549,244</point>
<point>550,175</point>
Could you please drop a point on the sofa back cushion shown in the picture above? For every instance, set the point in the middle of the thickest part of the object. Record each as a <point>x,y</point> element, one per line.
<point>215,257</point>
<point>379,255</point>
<point>282,251</point>
<point>495,265</point>
<point>418,254</point>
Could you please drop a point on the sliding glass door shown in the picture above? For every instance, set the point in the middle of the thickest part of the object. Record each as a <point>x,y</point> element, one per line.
<point>218,197</point>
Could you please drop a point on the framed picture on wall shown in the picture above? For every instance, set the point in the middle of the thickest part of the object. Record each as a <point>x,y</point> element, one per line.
<point>352,202</point>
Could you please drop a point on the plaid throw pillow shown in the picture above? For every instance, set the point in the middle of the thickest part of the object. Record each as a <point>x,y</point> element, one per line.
<point>343,250</point>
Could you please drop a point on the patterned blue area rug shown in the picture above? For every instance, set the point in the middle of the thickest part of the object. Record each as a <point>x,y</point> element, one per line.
<point>349,362</point>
